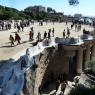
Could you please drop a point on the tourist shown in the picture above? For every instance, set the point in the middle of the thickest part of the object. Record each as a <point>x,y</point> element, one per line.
<point>11,38</point>
<point>63,86</point>
<point>49,35</point>
<point>46,22</point>
<point>30,35</point>
<point>79,27</point>
<point>53,32</point>
<point>84,30</point>
<point>17,38</point>
<point>76,27</point>
<point>57,84</point>
<point>45,35</point>
<point>41,23</point>
<point>68,32</point>
<point>49,30</point>
<point>39,36</point>
<point>76,80</point>
<point>71,26</point>
<point>39,90</point>
<point>22,26</point>
<point>18,28</point>
<point>66,22</point>
<point>53,22</point>
<point>64,34</point>
<point>32,29</point>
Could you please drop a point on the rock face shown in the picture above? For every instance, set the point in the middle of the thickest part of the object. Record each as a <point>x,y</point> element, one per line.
<point>33,78</point>
<point>49,67</point>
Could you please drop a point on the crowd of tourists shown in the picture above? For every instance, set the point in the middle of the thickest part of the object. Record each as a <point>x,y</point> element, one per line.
<point>39,36</point>
<point>20,25</point>
<point>16,24</point>
<point>5,25</point>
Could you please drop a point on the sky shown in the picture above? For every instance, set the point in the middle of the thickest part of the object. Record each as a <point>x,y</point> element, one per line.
<point>85,7</point>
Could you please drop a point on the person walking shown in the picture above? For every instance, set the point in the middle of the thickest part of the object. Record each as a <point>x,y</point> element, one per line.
<point>11,38</point>
<point>17,38</point>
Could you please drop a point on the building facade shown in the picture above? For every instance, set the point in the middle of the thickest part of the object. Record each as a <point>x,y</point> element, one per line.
<point>35,9</point>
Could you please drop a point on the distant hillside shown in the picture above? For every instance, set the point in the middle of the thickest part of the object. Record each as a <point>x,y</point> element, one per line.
<point>7,13</point>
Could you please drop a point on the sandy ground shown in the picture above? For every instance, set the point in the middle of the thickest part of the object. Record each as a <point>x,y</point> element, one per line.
<point>7,52</point>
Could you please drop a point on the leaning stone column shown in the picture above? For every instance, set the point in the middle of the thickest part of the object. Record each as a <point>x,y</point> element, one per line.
<point>87,56</point>
<point>93,52</point>
<point>79,61</point>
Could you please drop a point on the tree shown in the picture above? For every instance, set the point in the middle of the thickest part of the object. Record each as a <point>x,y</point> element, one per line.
<point>73,2</point>
<point>49,9</point>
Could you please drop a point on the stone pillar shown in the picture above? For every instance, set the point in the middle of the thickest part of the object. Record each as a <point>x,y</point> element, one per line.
<point>93,52</point>
<point>67,55</point>
<point>87,56</point>
<point>66,64</point>
<point>79,61</point>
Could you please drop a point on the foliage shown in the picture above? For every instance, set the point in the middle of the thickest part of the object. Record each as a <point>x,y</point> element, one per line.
<point>81,90</point>
<point>49,9</point>
<point>73,2</point>
<point>92,65</point>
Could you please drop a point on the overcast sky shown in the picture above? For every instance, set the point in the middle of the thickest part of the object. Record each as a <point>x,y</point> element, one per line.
<point>85,7</point>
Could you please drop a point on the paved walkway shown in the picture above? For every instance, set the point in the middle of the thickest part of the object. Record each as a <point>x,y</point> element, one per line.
<point>7,52</point>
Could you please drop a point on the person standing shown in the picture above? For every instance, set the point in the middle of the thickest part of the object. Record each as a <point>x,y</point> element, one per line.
<point>64,34</point>
<point>57,84</point>
<point>39,36</point>
<point>32,31</point>
<point>76,27</point>
<point>53,32</point>
<point>49,35</point>
<point>30,35</point>
<point>39,91</point>
<point>68,32</point>
<point>22,27</point>
<point>18,28</point>
<point>45,35</point>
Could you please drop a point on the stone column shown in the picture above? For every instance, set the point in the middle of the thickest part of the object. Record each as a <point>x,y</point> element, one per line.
<point>93,52</point>
<point>79,61</point>
<point>67,55</point>
<point>87,56</point>
<point>66,64</point>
